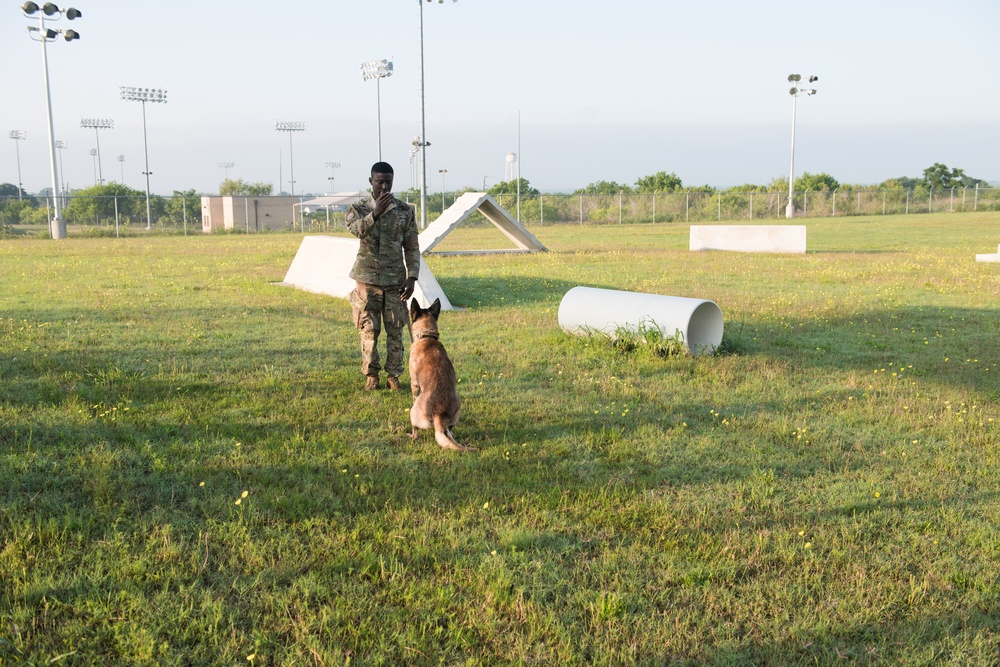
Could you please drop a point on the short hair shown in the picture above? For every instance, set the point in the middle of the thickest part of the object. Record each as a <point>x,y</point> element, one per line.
<point>382,168</point>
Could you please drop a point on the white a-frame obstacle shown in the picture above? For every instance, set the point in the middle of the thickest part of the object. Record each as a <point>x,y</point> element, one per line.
<point>322,263</point>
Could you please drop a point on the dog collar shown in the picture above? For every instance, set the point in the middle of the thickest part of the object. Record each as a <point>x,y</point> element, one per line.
<point>417,335</point>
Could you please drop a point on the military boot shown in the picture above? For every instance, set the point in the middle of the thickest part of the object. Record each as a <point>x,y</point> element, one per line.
<point>371,384</point>
<point>392,383</point>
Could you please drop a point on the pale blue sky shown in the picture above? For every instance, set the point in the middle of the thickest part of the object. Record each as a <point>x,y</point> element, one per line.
<point>605,90</point>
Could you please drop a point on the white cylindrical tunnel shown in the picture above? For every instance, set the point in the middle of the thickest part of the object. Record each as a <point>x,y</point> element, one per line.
<point>585,310</point>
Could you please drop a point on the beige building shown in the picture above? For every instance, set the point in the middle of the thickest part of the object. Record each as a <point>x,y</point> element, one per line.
<point>252,214</point>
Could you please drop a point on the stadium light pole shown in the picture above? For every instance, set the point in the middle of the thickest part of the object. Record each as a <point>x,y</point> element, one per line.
<point>60,144</point>
<point>333,172</point>
<point>93,154</point>
<point>18,136</point>
<point>49,11</point>
<point>442,172</point>
<point>377,69</point>
<point>795,91</point>
<point>422,139</point>
<point>227,166</point>
<point>134,94</point>
<point>290,127</point>
<point>98,124</point>
<point>121,166</point>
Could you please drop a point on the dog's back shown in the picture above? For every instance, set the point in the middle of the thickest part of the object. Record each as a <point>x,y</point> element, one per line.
<point>432,378</point>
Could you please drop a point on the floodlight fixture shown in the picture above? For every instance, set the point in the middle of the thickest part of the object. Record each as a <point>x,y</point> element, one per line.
<point>143,95</point>
<point>795,92</point>
<point>227,166</point>
<point>290,127</point>
<point>51,12</point>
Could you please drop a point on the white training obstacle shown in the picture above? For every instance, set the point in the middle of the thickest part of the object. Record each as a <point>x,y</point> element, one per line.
<point>322,265</point>
<point>749,238</point>
<point>586,310</point>
<point>990,257</point>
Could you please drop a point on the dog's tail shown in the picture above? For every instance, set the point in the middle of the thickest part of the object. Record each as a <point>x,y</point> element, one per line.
<point>445,438</point>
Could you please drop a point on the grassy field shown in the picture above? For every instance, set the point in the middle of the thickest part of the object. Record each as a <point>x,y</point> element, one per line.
<point>191,474</point>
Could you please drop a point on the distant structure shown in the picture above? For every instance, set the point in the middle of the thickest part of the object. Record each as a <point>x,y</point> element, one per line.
<point>510,169</point>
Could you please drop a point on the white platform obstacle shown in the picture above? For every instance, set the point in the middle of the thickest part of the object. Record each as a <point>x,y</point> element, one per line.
<point>749,238</point>
<point>990,257</point>
<point>322,263</point>
<point>585,310</point>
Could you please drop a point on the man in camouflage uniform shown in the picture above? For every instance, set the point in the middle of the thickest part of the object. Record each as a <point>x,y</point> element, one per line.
<point>386,271</point>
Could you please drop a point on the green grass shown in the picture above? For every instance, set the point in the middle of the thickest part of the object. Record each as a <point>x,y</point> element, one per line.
<point>191,474</point>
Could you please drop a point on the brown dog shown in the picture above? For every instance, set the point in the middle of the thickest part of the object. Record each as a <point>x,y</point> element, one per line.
<point>432,378</point>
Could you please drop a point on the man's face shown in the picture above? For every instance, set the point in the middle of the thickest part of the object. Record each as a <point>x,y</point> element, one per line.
<point>380,183</point>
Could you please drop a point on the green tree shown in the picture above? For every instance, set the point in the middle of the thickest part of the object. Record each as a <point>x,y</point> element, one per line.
<point>604,188</point>
<point>940,176</point>
<point>184,203</point>
<point>661,181</point>
<point>510,188</point>
<point>96,203</point>
<point>816,182</point>
<point>747,187</point>
<point>901,183</point>
<point>240,188</point>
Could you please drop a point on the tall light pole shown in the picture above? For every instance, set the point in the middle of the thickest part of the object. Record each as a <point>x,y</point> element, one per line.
<point>377,69</point>
<point>94,153</point>
<point>133,94</point>
<point>290,127</point>
<point>227,166</point>
<point>795,91</point>
<point>49,11</point>
<point>442,172</point>
<point>333,172</point>
<point>422,139</point>
<point>98,124</point>
<point>18,136</point>
<point>60,144</point>
<point>121,166</point>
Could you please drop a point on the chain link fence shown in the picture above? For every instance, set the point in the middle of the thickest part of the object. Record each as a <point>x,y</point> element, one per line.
<point>128,214</point>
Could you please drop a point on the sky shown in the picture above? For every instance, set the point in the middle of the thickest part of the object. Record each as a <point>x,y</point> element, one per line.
<point>580,90</point>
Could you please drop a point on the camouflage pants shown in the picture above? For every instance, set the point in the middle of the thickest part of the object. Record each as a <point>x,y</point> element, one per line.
<point>374,306</point>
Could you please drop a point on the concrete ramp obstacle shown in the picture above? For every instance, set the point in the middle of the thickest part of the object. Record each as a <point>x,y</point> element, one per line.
<point>465,206</point>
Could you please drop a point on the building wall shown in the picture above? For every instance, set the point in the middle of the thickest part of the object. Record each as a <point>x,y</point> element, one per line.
<point>248,213</point>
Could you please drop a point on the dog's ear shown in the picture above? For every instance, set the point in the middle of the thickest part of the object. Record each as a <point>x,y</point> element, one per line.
<point>435,308</point>
<point>414,310</point>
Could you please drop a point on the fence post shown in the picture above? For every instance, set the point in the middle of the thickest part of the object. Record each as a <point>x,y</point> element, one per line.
<point>116,216</point>
<point>720,207</point>
<point>859,202</point>
<point>835,202</point>
<point>751,205</point>
<point>907,210</point>
<point>883,202</point>
<point>581,209</point>
<point>805,204</point>
<point>687,203</point>
<point>951,203</point>
<point>246,213</point>
<point>541,210</point>
<point>619,208</point>
<point>975,206</point>
<point>654,208</point>
<point>963,197</point>
<point>930,201</point>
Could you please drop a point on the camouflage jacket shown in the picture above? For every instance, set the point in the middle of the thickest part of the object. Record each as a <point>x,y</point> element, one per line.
<point>389,251</point>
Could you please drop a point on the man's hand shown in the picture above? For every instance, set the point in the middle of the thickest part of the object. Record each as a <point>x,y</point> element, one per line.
<point>408,287</point>
<point>383,202</point>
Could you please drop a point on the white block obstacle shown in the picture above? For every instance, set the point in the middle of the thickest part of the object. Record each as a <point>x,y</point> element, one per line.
<point>322,265</point>
<point>989,257</point>
<point>585,310</point>
<point>749,238</point>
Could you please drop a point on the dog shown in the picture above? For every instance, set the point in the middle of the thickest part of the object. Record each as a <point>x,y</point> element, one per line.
<point>432,379</point>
